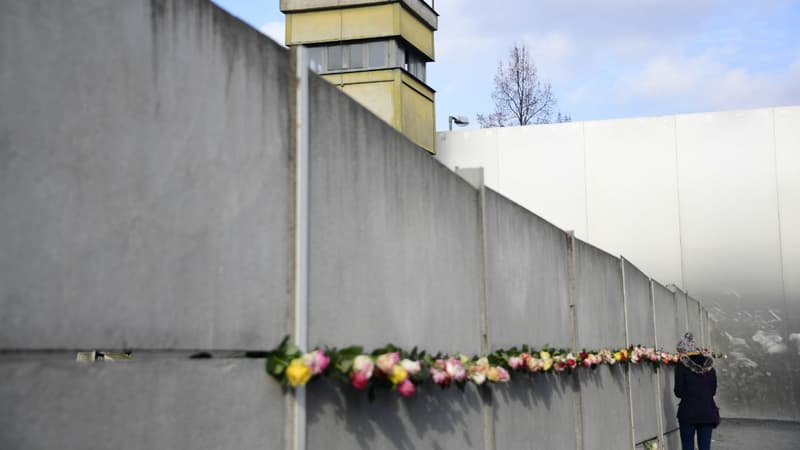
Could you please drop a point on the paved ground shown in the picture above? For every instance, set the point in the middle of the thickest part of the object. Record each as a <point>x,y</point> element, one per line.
<point>741,434</point>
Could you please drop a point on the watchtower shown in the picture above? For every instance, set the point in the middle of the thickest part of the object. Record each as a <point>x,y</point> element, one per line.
<point>376,51</point>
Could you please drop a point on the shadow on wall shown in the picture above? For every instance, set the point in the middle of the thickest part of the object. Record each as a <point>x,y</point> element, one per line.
<point>433,416</point>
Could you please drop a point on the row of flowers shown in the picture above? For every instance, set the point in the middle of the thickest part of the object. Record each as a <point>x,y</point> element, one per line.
<point>402,371</point>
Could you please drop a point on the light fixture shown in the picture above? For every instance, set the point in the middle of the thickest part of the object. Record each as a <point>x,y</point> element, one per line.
<point>458,120</point>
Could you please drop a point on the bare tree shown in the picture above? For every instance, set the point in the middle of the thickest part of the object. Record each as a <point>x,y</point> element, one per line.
<point>520,97</point>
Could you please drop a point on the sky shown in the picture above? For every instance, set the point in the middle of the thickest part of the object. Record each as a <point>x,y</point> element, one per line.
<point>607,59</point>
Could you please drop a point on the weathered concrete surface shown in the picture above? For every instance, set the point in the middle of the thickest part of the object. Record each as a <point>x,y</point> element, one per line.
<point>394,245</point>
<point>673,440</point>
<point>143,177</point>
<point>605,419</point>
<point>641,331</point>
<point>528,302</point>
<point>598,298</point>
<point>343,418</point>
<point>682,318</point>
<point>535,413</point>
<point>693,314</point>
<point>605,409</point>
<point>645,406</point>
<point>527,277</point>
<point>169,404</point>
<point>667,338</point>
<point>639,306</point>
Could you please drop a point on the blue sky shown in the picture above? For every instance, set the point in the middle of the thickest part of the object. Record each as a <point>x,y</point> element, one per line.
<point>608,58</point>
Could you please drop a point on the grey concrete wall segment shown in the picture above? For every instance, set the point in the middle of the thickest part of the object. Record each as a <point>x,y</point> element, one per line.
<point>641,331</point>
<point>645,406</point>
<point>673,440</point>
<point>669,403</point>
<point>693,316</point>
<point>394,236</point>
<point>528,303</point>
<point>682,316</point>
<point>527,277</point>
<point>605,420</point>
<point>601,323</point>
<point>598,298</point>
<point>666,337</point>
<point>535,413</point>
<point>343,418</point>
<point>143,185</point>
<point>639,306</point>
<point>186,404</point>
<point>666,309</point>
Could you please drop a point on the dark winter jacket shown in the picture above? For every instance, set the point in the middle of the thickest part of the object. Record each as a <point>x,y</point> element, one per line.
<point>696,385</point>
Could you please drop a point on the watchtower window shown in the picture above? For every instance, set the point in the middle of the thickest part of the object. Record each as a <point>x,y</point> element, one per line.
<point>366,55</point>
<point>377,54</point>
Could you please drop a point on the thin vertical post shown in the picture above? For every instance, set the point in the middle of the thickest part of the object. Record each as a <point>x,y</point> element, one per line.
<point>628,385</point>
<point>300,140</point>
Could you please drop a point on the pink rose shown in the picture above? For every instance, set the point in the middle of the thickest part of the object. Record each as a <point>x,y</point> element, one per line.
<point>587,363</point>
<point>455,369</point>
<point>317,360</point>
<point>387,361</point>
<point>359,380</point>
<point>406,388</point>
<point>440,377</point>
<point>503,375</point>
<point>515,362</point>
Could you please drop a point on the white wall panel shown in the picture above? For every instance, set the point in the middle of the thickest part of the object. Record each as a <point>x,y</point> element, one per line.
<point>470,148</point>
<point>787,159</point>
<point>729,206</point>
<point>632,162</point>
<point>542,168</point>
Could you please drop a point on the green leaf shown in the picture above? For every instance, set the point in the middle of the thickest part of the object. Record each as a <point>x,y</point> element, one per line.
<point>276,366</point>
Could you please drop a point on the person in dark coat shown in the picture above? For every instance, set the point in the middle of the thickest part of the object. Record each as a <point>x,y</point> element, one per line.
<point>695,385</point>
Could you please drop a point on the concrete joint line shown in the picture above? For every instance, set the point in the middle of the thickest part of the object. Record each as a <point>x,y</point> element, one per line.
<point>486,394</point>
<point>576,397</point>
<point>628,383</point>
<point>300,133</point>
<point>659,406</point>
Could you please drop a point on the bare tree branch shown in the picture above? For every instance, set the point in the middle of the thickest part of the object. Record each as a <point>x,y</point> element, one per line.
<point>520,97</point>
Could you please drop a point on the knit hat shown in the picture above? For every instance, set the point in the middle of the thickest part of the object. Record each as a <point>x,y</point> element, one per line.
<point>686,344</point>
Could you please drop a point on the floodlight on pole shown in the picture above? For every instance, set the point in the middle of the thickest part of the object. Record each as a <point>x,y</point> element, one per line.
<point>458,120</point>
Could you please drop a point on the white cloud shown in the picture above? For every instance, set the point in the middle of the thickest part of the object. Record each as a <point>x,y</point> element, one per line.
<point>554,54</point>
<point>710,84</point>
<point>276,30</point>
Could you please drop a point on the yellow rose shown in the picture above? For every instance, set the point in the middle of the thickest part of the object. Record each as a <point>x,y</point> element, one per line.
<point>398,375</point>
<point>493,375</point>
<point>548,363</point>
<point>618,356</point>
<point>298,373</point>
<point>545,355</point>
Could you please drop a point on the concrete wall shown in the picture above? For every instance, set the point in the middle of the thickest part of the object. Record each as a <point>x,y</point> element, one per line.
<point>147,203</point>
<point>600,318</point>
<point>671,193</point>
<point>144,177</point>
<point>144,201</point>
<point>160,403</point>
<point>528,299</point>
<point>667,335</point>
<point>641,331</point>
<point>394,251</point>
